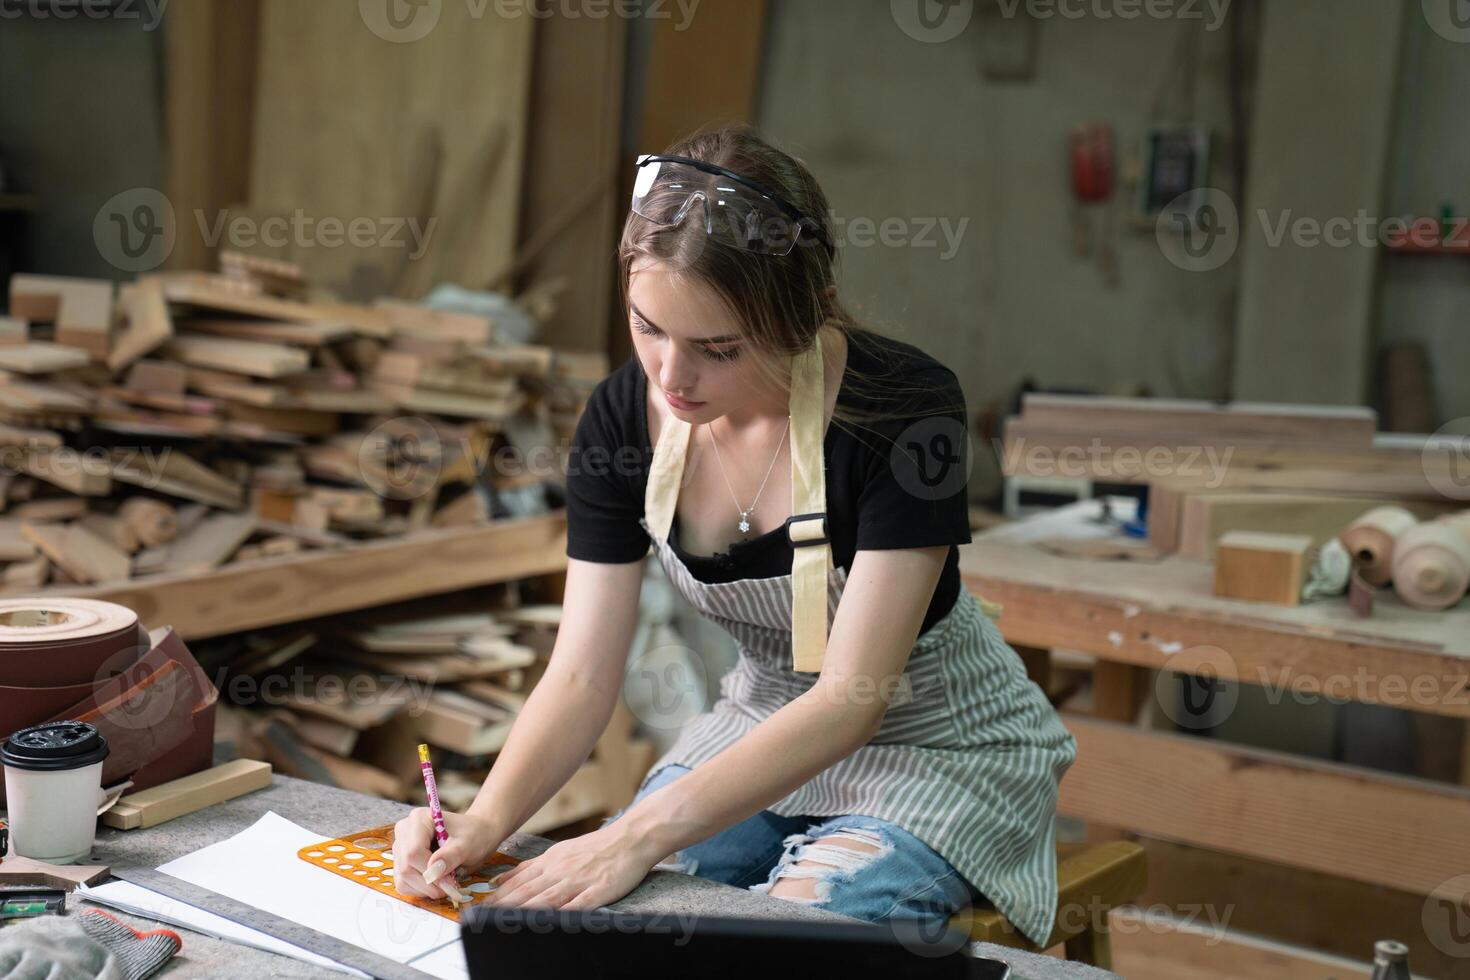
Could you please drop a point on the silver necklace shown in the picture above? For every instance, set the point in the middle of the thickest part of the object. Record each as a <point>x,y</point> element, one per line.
<point>745,512</point>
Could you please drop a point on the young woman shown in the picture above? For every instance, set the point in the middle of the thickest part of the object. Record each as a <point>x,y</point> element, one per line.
<point>878,750</point>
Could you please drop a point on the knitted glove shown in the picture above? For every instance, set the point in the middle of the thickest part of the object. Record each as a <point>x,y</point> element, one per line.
<point>53,948</point>
<point>139,954</point>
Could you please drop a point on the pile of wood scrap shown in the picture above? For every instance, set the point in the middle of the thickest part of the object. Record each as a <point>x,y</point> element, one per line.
<point>346,701</point>
<point>187,419</point>
<point>1260,489</point>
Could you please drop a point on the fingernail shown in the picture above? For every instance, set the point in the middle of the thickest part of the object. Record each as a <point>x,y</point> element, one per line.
<point>434,870</point>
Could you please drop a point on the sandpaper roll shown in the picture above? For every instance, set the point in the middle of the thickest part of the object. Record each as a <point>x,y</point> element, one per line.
<point>1370,541</point>
<point>60,641</point>
<point>1431,564</point>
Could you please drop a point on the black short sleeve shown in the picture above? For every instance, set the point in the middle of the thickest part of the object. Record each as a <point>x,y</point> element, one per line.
<point>607,472</point>
<point>915,491</point>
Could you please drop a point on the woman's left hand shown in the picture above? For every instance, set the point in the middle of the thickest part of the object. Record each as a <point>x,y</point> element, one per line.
<point>581,873</point>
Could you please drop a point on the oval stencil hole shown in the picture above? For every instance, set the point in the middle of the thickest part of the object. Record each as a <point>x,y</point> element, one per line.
<point>313,854</point>
<point>354,856</point>
<point>388,872</point>
<point>374,878</point>
<point>359,872</point>
<point>371,843</point>
<point>345,866</point>
<point>329,860</point>
<point>372,864</point>
<point>335,848</point>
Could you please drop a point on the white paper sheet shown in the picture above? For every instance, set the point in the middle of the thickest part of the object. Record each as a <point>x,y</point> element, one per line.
<point>259,866</point>
<point>128,897</point>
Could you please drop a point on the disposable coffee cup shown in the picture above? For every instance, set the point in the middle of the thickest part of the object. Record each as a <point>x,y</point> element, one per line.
<point>53,786</point>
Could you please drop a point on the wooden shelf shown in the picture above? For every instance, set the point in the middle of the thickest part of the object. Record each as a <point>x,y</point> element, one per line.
<point>270,591</point>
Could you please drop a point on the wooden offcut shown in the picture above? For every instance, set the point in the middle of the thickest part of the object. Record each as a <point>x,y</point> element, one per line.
<point>1262,567</point>
<point>188,794</point>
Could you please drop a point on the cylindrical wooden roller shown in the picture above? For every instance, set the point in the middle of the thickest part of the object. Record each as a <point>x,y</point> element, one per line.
<point>1431,564</point>
<point>1370,541</point>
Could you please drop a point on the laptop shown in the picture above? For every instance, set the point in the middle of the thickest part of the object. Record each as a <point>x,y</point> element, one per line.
<point>543,944</point>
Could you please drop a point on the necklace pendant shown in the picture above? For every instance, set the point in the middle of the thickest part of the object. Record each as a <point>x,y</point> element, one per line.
<point>744,525</point>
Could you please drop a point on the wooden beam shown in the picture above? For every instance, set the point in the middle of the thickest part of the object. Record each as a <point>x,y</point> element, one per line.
<point>269,591</point>
<point>1378,829</point>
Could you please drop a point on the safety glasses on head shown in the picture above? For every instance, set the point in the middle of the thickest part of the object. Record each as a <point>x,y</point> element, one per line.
<point>734,210</point>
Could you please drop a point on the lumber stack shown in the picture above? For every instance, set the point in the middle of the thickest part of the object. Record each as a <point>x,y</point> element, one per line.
<point>190,419</point>
<point>1269,484</point>
<point>346,700</point>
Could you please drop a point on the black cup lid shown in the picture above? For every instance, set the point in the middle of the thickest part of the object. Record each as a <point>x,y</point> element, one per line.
<point>54,746</point>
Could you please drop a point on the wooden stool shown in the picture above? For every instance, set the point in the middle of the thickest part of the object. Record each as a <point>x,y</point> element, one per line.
<point>1091,880</point>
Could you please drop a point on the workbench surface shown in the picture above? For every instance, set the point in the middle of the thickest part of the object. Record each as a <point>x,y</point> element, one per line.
<point>332,812</point>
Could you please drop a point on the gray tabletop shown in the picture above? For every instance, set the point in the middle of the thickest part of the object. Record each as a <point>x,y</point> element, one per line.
<point>332,812</point>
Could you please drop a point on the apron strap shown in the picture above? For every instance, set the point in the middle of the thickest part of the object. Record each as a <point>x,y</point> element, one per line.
<point>811,550</point>
<point>662,495</point>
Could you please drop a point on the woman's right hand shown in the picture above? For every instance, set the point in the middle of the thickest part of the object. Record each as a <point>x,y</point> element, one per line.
<point>471,842</point>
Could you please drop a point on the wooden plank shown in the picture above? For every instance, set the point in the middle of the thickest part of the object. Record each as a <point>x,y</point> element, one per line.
<point>245,356</point>
<point>83,555</point>
<point>40,357</point>
<point>282,590</point>
<point>413,318</point>
<point>1352,425</point>
<point>209,101</point>
<point>209,543</point>
<point>1271,806</point>
<point>188,794</point>
<point>274,331</point>
<point>14,546</point>
<point>1395,466</point>
<point>1261,566</point>
<point>465,81</point>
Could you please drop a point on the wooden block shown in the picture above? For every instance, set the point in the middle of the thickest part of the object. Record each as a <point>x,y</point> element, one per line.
<point>152,522</point>
<point>40,357</point>
<point>243,356</point>
<point>148,323</point>
<point>1262,567</point>
<point>84,556</point>
<point>188,794</point>
<point>84,318</point>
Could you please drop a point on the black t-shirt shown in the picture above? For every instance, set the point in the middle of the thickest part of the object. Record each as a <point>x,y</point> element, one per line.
<point>896,474</point>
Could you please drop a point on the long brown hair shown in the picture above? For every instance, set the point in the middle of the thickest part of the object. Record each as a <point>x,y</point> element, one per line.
<point>781,301</point>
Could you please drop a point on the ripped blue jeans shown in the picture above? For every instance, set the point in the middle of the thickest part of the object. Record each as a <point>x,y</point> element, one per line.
<point>890,874</point>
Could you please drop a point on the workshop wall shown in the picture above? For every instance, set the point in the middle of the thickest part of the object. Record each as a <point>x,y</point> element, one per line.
<point>1012,300</point>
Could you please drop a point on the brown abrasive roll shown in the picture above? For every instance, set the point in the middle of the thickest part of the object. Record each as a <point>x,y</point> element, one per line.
<point>1431,564</point>
<point>58,642</point>
<point>1370,541</point>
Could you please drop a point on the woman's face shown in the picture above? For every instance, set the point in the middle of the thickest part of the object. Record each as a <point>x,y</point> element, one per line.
<point>690,346</point>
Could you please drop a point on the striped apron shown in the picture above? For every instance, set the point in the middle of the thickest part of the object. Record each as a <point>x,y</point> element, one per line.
<point>969,753</point>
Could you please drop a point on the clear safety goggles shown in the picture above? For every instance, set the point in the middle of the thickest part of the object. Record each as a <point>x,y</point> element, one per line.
<point>733,210</point>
